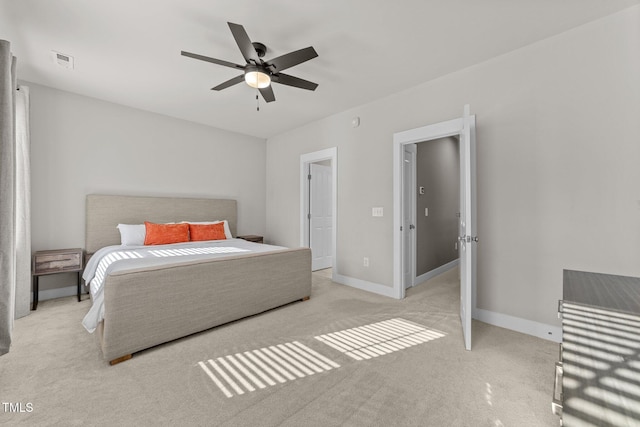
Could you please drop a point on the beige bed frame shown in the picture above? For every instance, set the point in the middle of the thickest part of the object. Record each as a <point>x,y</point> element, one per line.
<point>150,306</point>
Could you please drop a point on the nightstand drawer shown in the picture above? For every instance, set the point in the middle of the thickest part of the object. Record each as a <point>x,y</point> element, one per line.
<point>46,262</point>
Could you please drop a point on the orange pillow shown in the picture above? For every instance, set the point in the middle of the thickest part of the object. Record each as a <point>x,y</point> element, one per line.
<point>162,234</point>
<point>199,232</point>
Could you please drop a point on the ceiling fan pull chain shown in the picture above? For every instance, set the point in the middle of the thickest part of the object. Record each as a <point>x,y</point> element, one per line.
<point>257,101</point>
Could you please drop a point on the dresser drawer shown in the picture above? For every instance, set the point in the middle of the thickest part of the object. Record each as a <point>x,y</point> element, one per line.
<point>46,262</point>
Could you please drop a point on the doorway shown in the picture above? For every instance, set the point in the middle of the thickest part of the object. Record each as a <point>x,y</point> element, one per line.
<point>318,188</point>
<point>436,196</point>
<point>464,128</point>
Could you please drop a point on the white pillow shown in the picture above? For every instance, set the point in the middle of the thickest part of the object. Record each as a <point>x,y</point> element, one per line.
<point>132,234</point>
<point>227,230</point>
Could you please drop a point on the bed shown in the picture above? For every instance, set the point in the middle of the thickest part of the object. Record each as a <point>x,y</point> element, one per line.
<point>147,305</point>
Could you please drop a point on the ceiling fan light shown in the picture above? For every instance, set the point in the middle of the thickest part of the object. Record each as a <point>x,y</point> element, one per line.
<point>257,79</point>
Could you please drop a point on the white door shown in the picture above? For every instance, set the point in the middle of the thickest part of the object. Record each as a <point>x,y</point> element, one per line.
<point>409,213</point>
<point>320,218</point>
<point>468,238</point>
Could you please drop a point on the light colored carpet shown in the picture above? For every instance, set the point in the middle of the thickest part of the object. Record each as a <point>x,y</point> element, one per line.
<point>506,380</point>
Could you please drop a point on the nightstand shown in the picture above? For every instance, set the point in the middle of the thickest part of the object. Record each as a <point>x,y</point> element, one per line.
<point>54,262</point>
<point>252,238</point>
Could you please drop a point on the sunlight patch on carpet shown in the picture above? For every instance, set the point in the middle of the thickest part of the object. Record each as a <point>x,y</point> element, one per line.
<point>246,372</point>
<point>378,339</point>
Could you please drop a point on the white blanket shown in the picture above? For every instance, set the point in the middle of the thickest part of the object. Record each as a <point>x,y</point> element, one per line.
<point>119,258</point>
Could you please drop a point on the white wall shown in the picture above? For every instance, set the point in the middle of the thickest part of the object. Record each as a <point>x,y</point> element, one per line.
<point>81,145</point>
<point>558,174</point>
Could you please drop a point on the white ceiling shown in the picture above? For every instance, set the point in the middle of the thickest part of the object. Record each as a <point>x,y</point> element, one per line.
<point>128,51</point>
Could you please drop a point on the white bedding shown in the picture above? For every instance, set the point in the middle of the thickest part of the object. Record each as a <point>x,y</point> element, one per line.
<point>120,258</point>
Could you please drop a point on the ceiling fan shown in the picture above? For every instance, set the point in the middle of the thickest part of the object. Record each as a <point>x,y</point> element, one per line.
<point>258,73</point>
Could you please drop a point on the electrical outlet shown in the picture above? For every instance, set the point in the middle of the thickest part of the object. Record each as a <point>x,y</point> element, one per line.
<point>366,262</point>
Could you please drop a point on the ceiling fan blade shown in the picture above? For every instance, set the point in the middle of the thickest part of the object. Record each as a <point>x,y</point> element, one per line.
<point>267,94</point>
<point>230,82</point>
<point>213,60</point>
<point>286,79</point>
<point>244,43</point>
<point>290,59</point>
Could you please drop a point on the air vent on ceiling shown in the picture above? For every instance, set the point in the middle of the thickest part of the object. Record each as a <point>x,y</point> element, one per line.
<point>62,60</point>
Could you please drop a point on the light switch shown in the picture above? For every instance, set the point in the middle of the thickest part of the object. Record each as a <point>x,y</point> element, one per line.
<point>377,212</point>
<point>426,211</point>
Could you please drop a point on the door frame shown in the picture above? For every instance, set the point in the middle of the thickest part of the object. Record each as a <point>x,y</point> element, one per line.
<point>305,161</point>
<point>400,139</point>
<point>412,202</point>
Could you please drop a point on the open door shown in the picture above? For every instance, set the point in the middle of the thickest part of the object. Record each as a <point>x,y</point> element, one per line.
<point>467,238</point>
<point>320,216</point>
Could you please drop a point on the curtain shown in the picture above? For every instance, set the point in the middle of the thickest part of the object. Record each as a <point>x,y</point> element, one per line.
<point>10,175</point>
<point>23,204</point>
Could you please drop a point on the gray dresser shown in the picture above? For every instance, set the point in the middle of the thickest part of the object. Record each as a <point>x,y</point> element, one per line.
<point>598,375</point>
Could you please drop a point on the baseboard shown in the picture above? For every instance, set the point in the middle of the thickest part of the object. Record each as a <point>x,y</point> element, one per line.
<point>58,293</point>
<point>529,327</point>
<point>376,288</point>
<point>436,271</point>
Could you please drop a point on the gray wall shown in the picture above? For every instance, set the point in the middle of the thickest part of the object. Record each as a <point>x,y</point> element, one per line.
<point>81,145</point>
<point>438,171</point>
<point>557,166</point>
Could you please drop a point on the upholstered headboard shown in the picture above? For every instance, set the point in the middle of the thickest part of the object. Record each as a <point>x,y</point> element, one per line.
<point>104,213</point>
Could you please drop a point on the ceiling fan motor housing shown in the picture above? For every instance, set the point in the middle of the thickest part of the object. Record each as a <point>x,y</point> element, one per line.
<point>260,48</point>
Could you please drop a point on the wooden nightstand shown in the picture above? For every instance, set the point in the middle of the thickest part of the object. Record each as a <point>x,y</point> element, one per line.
<point>54,262</point>
<point>252,238</point>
